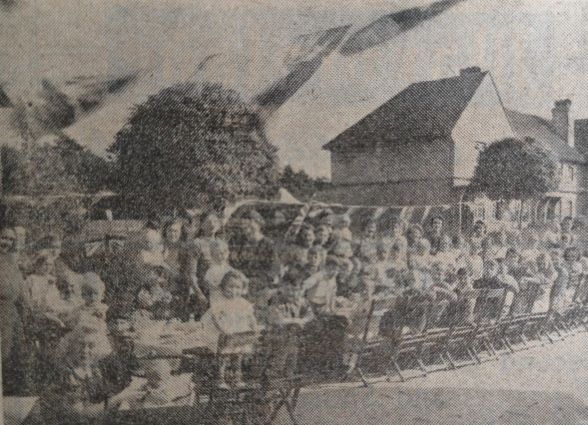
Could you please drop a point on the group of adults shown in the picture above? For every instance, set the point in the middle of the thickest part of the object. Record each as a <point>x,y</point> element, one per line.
<point>176,269</point>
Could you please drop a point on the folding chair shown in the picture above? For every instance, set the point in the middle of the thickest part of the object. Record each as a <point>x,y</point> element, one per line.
<point>227,397</point>
<point>483,341</point>
<point>458,341</point>
<point>369,340</point>
<point>535,327</point>
<point>279,376</point>
<point>460,336</point>
<point>406,345</point>
<point>488,316</point>
<point>434,346</point>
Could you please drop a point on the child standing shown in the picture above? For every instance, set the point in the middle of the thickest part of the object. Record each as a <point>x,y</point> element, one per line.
<point>230,314</point>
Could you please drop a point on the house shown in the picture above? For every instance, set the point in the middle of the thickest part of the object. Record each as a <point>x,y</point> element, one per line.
<point>554,136</point>
<point>421,146</point>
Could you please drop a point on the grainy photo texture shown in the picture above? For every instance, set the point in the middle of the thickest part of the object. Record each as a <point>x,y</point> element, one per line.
<point>282,212</point>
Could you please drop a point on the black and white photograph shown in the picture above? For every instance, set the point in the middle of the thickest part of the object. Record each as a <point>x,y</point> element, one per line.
<point>294,212</point>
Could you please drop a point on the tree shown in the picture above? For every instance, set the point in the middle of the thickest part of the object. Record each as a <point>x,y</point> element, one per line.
<point>300,184</point>
<point>192,145</point>
<point>512,169</point>
<point>54,169</point>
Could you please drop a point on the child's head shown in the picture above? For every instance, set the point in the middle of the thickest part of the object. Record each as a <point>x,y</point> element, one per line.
<point>92,288</point>
<point>342,249</point>
<point>332,266</point>
<point>219,252</point>
<point>437,224</point>
<point>7,240</point>
<point>344,222</point>
<point>415,232</point>
<point>463,276</point>
<point>511,257</point>
<point>479,228</point>
<point>556,258</point>
<point>370,229</point>
<point>382,250</point>
<point>398,228</point>
<point>323,233</point>
<point>458,242</point>
<point>490,268</point>
<point>233,284</point>
<point>157,372</point>
<point>172,231</point>
<point>210,225</point>
<point>306,236</point>
<point>571,254</point>
<point>41,266</point>
<point>314,257</point>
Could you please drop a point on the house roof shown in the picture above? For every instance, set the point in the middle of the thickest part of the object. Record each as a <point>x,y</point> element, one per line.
<point>542,131</point>
<point>422,110</point>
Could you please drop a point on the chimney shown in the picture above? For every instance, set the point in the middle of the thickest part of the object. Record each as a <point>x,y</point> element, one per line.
<point>560,119</point>
<point>581,135</point>
<point>470,70</point>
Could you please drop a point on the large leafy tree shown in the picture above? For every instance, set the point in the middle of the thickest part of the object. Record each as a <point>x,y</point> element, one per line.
<point>513,169</point>
<point>192,145</point>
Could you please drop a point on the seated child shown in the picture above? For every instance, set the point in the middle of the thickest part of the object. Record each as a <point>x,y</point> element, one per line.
<point>158,388</point>
<point>230,314</point>
<point>463,308</point>
<point>92,289</point>
<point>419,263</point>
<point>41,286</point>
<point>321,287</point>
<point>219,258</point>
<point>49,306</point>
<point>154,298</point>
<point>288,305</point>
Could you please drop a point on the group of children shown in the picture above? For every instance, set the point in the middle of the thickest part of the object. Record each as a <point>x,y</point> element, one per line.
<point>318,280</point>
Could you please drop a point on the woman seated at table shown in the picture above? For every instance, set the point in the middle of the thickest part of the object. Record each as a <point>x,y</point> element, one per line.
<point>86,376</point>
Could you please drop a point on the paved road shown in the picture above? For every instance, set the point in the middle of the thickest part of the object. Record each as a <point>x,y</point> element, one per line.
<point>544,385</point>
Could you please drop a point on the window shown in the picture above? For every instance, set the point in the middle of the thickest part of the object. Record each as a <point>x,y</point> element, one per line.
<point>570,208</point>
<point>571,171</point>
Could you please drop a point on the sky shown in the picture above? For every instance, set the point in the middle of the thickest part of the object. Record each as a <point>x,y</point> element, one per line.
<point>536,50</point>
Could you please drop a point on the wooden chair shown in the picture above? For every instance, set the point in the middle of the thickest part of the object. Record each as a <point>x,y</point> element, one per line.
<point>232,397</point>
<point>488,317</point>
<point>280,380</point>
<point>400,344</point>
<point>458,342</point>
<point>369,340</point>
